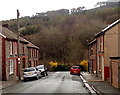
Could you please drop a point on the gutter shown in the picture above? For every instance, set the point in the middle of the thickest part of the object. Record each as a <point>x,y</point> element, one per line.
<point>93,91</point>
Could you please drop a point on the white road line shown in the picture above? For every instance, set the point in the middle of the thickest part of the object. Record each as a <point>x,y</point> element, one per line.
<point>83,79</point>
<point>88,86</point>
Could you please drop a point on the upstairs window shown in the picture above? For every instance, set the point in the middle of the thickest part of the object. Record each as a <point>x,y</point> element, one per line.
<point>37,53</point>
<point>11,48</point>
<point>23,49</point>
<point>15,46</point>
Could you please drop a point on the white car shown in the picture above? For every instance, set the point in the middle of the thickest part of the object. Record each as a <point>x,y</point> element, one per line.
<point>31,72</point>
<point>43,69</point>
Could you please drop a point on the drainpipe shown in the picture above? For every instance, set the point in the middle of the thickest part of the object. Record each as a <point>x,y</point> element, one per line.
<point>88,61</point>
<point>96,61</point>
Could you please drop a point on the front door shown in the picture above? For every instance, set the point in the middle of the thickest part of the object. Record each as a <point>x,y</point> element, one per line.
<point>16,67</point>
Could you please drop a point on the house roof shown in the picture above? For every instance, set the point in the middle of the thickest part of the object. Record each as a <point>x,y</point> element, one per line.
<point>2,35</point>
<point>8,34</point>
<point>30,45</point>
<point>92,42</point>
<point>107,28</point>
<point>111,25</point>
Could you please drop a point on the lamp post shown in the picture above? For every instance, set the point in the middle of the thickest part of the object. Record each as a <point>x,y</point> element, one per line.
<point>18,49</point>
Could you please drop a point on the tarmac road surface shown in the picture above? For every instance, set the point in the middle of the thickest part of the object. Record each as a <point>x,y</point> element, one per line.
<point>56,82</point>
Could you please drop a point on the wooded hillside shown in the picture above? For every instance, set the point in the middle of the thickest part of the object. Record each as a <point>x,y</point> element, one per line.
<point>63,36</point>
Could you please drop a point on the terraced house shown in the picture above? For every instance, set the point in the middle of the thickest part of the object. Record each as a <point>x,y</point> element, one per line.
<point>108,54</point>
<point>9,55</point>
<point>92,57</point>
<point>33,57</point>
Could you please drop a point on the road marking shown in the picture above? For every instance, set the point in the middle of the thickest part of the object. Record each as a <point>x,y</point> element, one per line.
<point>83,79</point>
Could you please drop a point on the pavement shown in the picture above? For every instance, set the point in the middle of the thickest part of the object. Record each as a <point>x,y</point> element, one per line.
<point>5,84</point>
<point>100,86</point>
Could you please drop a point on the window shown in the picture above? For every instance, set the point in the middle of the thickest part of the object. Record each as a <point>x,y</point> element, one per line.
<point>23,63</point>
<point>37,53</point>
<point>15,48</point>
<point>23,49</point>
<point>31,53</point>
<point>11,66</point>
<point>11,48</point>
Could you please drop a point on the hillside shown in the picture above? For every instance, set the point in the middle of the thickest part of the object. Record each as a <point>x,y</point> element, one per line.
<point>62,35</point>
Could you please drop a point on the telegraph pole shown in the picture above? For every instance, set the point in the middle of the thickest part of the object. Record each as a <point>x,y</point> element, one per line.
<point>18,49</point>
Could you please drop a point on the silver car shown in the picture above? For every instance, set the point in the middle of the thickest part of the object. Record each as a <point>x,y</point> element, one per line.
<point>31,72</point>
<point>43,70</point>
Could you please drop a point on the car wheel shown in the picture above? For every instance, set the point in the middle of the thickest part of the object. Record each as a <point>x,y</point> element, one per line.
<point>46,74</point>
<point>40,76</point>
<point>37,77</point>
<point>24,79</point>
<point>43,74</point>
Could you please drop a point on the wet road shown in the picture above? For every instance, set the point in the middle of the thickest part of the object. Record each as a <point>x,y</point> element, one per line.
<point>57,82</point>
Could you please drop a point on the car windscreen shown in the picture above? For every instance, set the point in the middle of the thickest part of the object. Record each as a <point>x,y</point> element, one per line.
<point>75,67</point>
<point>29,70</point>
<point>40,67</point>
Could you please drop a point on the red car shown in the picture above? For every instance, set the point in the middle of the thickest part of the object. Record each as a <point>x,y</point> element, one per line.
<point>75,70</point>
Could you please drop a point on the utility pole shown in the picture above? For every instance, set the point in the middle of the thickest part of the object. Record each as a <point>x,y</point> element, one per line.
<point>18,49</point>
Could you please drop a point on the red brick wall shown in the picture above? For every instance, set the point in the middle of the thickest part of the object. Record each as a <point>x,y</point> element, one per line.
<point>114,73</point>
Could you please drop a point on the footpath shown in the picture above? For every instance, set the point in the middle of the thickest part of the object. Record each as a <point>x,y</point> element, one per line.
<point>100,86</point>
<point>5,84</point>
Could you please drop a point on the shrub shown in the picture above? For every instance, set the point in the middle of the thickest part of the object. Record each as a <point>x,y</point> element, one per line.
<point>84,65</point>
<point>53,64</point>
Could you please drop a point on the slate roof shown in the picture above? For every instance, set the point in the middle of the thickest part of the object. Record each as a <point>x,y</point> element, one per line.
<point>8,34</point>
<point>30,45</point>
<point>107,28</point>
<point>92,42</point>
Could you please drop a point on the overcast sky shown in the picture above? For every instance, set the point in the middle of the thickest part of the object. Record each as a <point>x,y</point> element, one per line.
<point>30,7</point>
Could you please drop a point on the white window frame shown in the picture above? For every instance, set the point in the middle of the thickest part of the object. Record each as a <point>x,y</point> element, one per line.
<point>11,66</point>
<point>15,45</point>
<point>11,48</point>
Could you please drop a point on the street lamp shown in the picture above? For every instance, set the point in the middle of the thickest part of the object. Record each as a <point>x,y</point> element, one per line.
<point>18,50</point>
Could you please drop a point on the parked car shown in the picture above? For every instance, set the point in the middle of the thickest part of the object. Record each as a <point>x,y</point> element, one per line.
<point>31,72</point>
<point>75,70</point>
<point>43,69</point>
